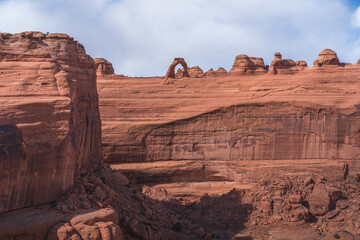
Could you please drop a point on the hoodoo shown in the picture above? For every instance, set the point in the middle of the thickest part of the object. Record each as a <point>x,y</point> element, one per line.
<point>279,65</point>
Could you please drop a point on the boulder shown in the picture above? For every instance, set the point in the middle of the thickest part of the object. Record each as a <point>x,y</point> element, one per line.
<point>323,198</point>
<point>300,213</point>
<point>319,200</point>
<point>88,224</point>
<point>295,198</point>
<point>266,206</point>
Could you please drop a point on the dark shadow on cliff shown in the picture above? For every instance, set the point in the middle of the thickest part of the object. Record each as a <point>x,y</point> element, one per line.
<point>223,216</point>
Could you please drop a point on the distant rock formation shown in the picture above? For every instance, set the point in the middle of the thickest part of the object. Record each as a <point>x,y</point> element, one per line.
<point>285,65</point>
<point>103,66</point>
<point>49,117</point>
<point>171,70</point>
<point>247,65</point>
<point>327,57</point>
<point>210,72</point>
<point>220,72</point>
<point>193,72</point>
<point>301,64</point>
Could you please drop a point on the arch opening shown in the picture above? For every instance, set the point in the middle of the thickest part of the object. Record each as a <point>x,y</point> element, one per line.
<point>171,71</point>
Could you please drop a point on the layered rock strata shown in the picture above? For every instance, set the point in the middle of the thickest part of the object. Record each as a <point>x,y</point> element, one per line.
<point>49,117</point>
<point>257,132</point>
<point>311,114</point>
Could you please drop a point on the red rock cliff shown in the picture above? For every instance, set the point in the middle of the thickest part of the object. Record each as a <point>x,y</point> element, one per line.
<point>311,114</point>
<point>49,118</point>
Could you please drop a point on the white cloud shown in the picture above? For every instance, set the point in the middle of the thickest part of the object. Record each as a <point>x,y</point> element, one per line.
<point>141,37</point>
<point>356,18</point>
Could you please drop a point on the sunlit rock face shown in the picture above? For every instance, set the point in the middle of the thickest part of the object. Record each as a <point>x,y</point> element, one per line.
<point>312,113</point>
<point>257,132</point>
<point>49,117</point>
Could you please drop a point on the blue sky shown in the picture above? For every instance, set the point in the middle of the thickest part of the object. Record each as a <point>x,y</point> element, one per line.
<point>141,37</point>
<point>354,3</point>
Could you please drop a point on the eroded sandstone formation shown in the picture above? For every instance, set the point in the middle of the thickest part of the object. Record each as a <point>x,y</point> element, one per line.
<point>247,65</point>
<point>282,131</point>
<point>192,142</point>
<point>50,151</point>
<point>171,71</point>
<point>49,118</point>
<point>279,65</point>
<point>327,57</point>
<point>298,116</point>
<point>193,72</point>
<point>220,72</point>
<point>103,66</point>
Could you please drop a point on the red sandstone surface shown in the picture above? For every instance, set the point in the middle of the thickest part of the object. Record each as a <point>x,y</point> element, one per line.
<point>203,136</point>
<point>49,117</point>
<point>257,153</point>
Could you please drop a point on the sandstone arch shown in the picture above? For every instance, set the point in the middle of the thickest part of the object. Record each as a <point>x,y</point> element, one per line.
<point>171,71</point>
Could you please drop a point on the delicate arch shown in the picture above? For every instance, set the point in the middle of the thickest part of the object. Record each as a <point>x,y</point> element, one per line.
<point>171,71</point>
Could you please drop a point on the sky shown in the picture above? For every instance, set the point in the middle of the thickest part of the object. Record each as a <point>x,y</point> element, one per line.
<point>141,37</point>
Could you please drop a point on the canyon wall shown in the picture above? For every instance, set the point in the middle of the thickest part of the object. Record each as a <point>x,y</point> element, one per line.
<point>307,113</point>
<point>49,118</point>
<point>270,131</point>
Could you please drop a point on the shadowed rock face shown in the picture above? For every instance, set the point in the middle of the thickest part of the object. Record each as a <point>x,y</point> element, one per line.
<point>49,118</point>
